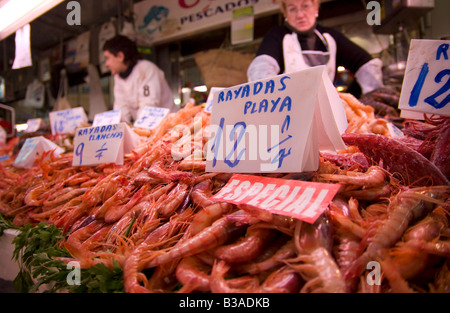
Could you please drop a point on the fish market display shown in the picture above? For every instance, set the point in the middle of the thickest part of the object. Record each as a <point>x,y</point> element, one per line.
<point>154,214</point>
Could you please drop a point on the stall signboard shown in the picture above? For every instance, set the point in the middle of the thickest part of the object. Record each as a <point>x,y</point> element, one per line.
<point>103,144</point>
<point>150,117</point>
<point>158,20</point>
<point>277,124</point>
<point>426,85</point>
<point>65,121</point>
<point>34,147</point>
<point>107,118</point>
<point>305,201</point>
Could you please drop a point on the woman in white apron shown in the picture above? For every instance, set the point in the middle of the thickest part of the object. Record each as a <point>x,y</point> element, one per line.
<point>301,43</point>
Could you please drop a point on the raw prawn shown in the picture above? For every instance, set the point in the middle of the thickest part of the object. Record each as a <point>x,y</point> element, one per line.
<point>283,280</point>
<point>246,248</point>
<point>134,279</point>
<point>407,206</point>
<point>317,266</point>
<point>215,235</point>
<point>276,260</point>
<point>374,176</point>
<point>193,274</point>
<point>400,160</point>
<point>167,204</point>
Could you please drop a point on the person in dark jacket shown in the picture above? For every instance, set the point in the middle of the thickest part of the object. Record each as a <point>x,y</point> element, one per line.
<point>301,43</point>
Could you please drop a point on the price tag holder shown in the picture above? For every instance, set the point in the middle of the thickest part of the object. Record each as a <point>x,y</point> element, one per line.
<point>276,124</point>
<point>32,148</point>
<point>151,117</point>
<point>305,201</point>
<point>426,85</point>
<point>107,118</point>
<point>103,144</point>
<point>33,125</point>
<point>65,121</point>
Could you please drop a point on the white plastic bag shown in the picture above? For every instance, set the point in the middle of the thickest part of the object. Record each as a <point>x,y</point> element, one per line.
<point>61,102</point>
<point>34,97</point>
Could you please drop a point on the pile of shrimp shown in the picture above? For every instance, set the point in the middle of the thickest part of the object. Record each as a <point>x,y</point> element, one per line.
<point>361,117</point>
<point>154,216</point>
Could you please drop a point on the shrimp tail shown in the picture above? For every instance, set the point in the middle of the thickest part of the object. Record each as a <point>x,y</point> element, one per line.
<point>357,267</point>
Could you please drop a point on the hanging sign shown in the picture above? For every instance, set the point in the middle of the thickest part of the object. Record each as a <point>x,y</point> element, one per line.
<point>32,148</point>
<point>65,121</point>
<point>150,117</point>
<point>242,25</point>
<point>103,144</point>
<point>305,201</point>
<point>276,124</point>
<point>107,118</point>
<point>426,85</point>
<point>158,20</point>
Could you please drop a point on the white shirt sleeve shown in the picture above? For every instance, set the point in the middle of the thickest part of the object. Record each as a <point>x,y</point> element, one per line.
<point>263,66</point>
<point>370,76</point>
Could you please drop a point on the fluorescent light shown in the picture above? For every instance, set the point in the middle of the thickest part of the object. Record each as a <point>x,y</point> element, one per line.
<point>14,14</point>
<point>21,127</point>
<point>341,69</point>
<point>202,88</point>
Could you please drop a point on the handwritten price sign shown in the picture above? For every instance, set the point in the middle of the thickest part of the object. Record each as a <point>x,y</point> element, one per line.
<point>151,117</point>
<point>103,144</point>
<point>276,124</point>
<point>65,121</point>
<point>32,148</point>
<point>107,118</point>
<point>426,86</point>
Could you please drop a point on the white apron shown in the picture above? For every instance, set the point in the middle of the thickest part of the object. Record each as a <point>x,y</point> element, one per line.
<point>293,56</point>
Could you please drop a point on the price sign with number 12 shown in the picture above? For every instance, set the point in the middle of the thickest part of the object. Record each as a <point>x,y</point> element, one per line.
<point>426,85</point>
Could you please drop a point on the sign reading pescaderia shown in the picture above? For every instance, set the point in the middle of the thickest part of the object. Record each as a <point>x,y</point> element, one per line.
<point>305,201</point>
<point>158,20</point>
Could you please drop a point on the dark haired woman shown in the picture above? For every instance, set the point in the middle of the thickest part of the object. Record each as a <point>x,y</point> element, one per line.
<point>137,82</point>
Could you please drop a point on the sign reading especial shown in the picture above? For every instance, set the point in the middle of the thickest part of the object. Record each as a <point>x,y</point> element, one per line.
<point>161,19</point>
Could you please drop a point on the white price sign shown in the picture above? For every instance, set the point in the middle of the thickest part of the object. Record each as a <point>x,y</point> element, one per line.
<point>33,125</point>
<point>107,118</point>
<point>102,144</point>
<point>32,148</point>
<point>276,124</point>
<point>151,117</point>
<point>65,121</point>
<point>426,86</point>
